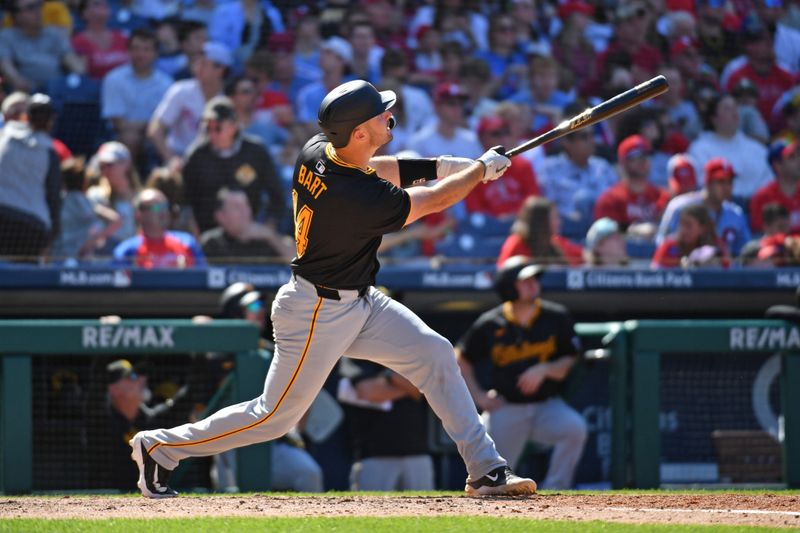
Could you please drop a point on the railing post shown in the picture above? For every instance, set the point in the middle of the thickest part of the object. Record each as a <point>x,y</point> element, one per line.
<point>254,462</point>
<point>790,396</point>
<point>16,427</point>
<point>618,391</point>
<point>645,432</point>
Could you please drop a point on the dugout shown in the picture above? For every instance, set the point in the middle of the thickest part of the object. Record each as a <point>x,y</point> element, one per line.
<point>32,355</point>
<point>708,401</point>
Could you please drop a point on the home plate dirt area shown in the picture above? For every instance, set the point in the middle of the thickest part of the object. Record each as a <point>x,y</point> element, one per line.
<point>759,509</point>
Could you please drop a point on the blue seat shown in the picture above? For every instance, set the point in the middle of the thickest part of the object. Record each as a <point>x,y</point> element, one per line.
<point>78,122</point>
<point>466,244</point>
<point>640,249</point>
<point>483,225</point>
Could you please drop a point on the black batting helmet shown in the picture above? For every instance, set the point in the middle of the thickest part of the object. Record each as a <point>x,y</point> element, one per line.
<point>348,105</point>
<point>513,269</point>
<point>230,298</point>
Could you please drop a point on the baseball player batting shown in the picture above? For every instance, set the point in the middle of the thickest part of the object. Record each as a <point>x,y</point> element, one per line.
<point>345,200</point>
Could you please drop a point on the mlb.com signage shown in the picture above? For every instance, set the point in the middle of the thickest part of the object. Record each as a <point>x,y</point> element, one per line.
<point>108,336</point>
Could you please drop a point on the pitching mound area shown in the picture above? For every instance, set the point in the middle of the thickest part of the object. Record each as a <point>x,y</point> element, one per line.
<point>762,509</point>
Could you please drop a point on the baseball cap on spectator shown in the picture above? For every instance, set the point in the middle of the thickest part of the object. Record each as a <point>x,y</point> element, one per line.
<point>775,151</point>
<point>744,86</point>
<point>15,104</point>
<point>340,47</point>
<point>280,41</point>
<point>633,146</point>
<point>219,108</point>
<point>218,53</point>
<point>448,90</point>
<point>121,368</point>
<point>113,152</point>
<point>718,168</point>
<point>682,176</point>
<point>753,29</point>
<point>629,10</point>
<point>599,230</point>
<point>574,6</point>
<point>681,45</point>
<point>491,124</point>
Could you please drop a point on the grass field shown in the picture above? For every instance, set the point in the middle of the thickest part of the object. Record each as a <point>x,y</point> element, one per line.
<point>371,525</point>
<point>603,511</point>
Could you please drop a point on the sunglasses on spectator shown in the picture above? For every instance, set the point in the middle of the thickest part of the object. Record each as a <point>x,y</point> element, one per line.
<point>255,307</point>
<point>216,127</point>
<point>246,90</point>
<point>153,208</point>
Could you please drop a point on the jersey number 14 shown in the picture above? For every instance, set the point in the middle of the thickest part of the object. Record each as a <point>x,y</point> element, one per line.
<point>302,223</point>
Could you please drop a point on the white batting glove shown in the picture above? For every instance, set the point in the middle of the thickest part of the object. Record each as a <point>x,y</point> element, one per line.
<point>496,164</point>
<point>447,165</point>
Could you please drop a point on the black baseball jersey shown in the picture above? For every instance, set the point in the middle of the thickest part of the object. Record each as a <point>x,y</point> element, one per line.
<point>400,432</point>
<point>512,348</point>
<point>341,213</point>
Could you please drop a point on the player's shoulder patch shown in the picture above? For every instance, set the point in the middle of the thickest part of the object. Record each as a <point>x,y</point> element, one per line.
<point>320,166</point>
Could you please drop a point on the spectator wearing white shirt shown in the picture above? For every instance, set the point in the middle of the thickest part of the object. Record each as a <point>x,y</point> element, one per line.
<point>448,135</point>
<point>723,138</point>
<point>131,92</point>
<point>176,121</point>
<point>574,179</point>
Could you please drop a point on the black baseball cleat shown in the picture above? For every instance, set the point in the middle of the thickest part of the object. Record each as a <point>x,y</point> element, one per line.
<point>501,482</point>
<point>153,478</point>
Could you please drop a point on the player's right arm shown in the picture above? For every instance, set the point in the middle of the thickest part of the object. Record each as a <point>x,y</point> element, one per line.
<point>427,200</point>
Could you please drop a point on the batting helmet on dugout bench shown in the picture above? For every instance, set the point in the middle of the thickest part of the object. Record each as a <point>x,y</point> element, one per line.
<point>349,105</point>
<point>514,268</point>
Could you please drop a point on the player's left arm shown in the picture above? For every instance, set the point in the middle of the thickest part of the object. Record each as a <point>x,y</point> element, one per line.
<point>417,171</point>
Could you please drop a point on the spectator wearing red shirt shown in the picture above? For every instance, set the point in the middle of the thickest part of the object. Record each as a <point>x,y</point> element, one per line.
<point>155,246</point>
<point>103,48</point>
<point>634,203</point>
<point>784,158</point>
<point>502,198</point>
<point>694,244</point>
<point>760,67</point>
<point>535,234</point>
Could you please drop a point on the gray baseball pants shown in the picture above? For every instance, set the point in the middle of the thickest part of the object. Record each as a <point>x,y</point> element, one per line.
<point>551,423</point>
<point>311,334</point>
<point>409,472</point>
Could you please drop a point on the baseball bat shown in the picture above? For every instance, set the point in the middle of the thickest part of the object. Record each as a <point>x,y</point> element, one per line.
<point>609,108</point>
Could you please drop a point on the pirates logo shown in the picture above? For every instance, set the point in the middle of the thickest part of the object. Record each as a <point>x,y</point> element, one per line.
<point>245,175</point>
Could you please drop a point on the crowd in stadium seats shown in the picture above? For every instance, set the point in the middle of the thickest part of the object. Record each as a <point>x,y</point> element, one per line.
<point>116,109</point>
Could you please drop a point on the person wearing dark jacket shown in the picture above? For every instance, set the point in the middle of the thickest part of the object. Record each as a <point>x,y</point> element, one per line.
<point>223,157</point>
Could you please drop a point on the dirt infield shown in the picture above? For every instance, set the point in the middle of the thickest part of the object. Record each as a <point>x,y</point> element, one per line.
<point>770,509</point>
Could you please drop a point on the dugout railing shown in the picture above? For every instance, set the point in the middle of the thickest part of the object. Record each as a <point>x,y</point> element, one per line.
<point>648,341</point>
<point>21,340</point>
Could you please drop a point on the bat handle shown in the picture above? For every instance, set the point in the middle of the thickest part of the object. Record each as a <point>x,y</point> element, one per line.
<point>500,149</point>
